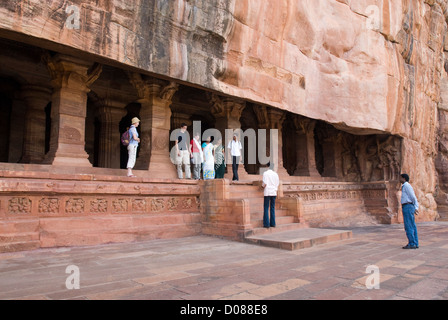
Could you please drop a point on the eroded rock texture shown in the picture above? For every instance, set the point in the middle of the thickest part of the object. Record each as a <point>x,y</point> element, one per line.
<point>365,66</point>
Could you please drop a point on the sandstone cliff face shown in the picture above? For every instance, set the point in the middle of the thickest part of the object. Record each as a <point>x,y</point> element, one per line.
<point>366,66</point>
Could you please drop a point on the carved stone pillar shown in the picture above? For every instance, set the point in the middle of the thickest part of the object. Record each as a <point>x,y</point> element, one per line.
<point>331,147</point>
<point>268,119</point>
<point>227,112</point>
<point>155,97</point>
<point>306,157</point>
<point>110,112</point>
<point>276,118</point>
<point>337,143</point>
<point>71,78</point>
<point>36,98</point>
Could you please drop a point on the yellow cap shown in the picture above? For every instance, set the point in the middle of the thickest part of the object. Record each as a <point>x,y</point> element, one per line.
<point>135,120</point>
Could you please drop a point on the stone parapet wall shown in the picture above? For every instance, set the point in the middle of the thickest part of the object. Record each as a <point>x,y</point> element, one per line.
<point>69,210</point>
<point>223,216</point>
<point>331,204</point>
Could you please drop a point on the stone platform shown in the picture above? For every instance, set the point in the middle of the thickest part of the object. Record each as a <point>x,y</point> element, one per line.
<point>43,207</point>
<point>299,239</point>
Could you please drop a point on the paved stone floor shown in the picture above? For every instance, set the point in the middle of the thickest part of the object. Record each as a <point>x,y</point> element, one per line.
<point>206,268</point>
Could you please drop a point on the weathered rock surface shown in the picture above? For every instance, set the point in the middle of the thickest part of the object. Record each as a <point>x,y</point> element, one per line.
<point>365,66</point>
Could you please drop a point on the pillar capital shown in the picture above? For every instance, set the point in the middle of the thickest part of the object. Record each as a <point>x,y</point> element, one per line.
<point>261,113</point>
<point>304,125</point>
<point>150,89</point>
<point>269,118</point>
<point>71,72</point>
<point>276,118</point>
<point>227,107</point>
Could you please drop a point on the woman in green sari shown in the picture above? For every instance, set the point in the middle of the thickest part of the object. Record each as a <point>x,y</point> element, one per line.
<point>220,164</point>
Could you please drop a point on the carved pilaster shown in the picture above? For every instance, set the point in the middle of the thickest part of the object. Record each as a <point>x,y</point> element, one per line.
<point>71,78</point>
<point>305,151</point>
<point>110,112</point>
<point>227,113</point>
<point>36,98</point>
<point>268,119</point>
<point>155,97</point>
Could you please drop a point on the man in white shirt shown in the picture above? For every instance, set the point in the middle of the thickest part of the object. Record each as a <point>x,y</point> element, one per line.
<point>183,152</point>
<point>270,184</point>
<point>235,152</point>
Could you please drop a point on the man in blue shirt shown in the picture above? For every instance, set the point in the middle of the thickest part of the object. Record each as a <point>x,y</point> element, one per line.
<point>409,205</point>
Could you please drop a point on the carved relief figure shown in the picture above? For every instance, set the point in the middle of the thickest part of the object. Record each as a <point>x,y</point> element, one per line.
<point>389,155</point>
<point>350,167</point>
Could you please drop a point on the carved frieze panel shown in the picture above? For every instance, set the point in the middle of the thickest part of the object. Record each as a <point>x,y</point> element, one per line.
<point>48,205</point>
<point>74,205</point>
<point>19,205</point>
<point>98,206</point>
<point>171,204</point>
<point>157,205</point>
<point>64,205</point>
<point>120,205</point>
<point>335,192</point>
<point>138,205</point>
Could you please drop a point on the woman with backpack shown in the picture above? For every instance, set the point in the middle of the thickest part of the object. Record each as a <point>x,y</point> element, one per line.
<point>133,145</point>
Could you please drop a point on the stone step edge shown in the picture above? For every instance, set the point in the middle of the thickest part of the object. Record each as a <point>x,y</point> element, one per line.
<point>269,240</point>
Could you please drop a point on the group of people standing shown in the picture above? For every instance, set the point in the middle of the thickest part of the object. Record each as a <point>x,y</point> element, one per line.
<point>207,157</point>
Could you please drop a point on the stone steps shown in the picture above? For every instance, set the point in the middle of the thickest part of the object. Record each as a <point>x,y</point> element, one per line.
<point>299,238</point>
<point>257,222</point>
<point>289,234</point>
<point>281,227</point>
<point>284,222</point>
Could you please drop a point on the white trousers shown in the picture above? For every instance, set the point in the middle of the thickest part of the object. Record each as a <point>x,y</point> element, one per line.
<point>184,159</point>
<point>132,154</point>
